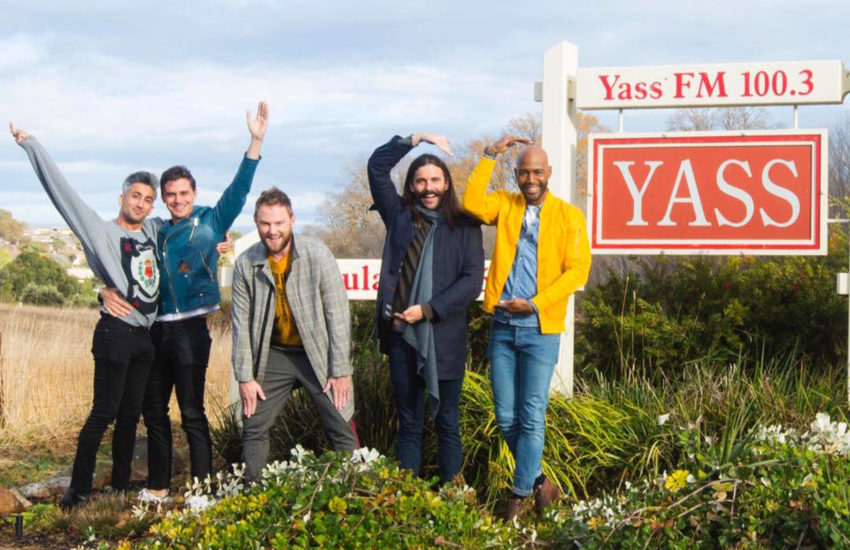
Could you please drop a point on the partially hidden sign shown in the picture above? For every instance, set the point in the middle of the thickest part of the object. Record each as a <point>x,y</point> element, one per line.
<point>708,193</point>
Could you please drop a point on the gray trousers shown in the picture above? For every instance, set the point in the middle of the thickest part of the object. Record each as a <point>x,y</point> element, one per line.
<point>286,369</point>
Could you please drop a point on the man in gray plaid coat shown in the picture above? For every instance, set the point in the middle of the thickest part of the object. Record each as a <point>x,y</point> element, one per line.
<point>291,328</point>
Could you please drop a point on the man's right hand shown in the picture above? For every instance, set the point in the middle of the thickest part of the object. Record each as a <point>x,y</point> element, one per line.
<point>114,303</point>
<point>19,135</point>
<point>506,143</point>
<point>249,392</point>
<point>439,140</point>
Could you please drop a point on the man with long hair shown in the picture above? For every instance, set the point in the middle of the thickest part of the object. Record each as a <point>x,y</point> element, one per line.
<point>432,269</point>
<point>541,257</point>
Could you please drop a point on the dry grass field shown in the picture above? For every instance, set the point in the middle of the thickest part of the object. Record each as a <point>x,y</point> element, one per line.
<point>46,374</point>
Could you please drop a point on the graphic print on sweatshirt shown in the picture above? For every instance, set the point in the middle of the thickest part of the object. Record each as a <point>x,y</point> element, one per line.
<point>139,262</point>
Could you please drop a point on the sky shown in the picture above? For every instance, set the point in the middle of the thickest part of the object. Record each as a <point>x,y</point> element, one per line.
<point>111,87</point>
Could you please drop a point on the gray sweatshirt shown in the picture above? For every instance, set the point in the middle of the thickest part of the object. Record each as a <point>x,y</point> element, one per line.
<point>119,257</point>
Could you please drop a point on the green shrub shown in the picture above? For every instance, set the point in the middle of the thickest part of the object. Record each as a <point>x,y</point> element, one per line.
<point>781,489</point>
<point>666,312</point>
<point>42,295</point>
<point>333,501</point>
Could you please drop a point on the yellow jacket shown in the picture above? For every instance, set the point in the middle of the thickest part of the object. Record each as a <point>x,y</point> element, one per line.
<point>563,251</point>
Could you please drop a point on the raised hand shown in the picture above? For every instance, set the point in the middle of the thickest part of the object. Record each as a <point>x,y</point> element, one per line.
<point>19,135</point>
<point>257,126</point>
<point>439,140</point>
<point>506,143</point>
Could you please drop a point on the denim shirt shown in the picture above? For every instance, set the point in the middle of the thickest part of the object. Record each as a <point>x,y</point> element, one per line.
<point>522,280</point>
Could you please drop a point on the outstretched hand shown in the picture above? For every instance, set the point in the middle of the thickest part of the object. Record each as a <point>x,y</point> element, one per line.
<point>439,140</point>
<point>19,135</point>
<point>506,143</point>
<point>258,125</point>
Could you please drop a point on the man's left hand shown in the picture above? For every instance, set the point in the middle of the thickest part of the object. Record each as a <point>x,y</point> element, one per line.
<point>340,388</point>
<point>517,306</point>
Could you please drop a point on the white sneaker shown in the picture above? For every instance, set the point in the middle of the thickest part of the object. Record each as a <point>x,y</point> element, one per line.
<point>196,503</point>
<point>148,497</point>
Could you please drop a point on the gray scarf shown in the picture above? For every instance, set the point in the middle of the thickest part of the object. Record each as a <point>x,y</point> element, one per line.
<point>421,335</point>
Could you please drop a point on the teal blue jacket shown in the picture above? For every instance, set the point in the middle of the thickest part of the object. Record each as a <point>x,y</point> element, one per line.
<point>187,254</point>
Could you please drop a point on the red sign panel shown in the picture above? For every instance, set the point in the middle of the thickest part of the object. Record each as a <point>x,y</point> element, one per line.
<point>717,193</point>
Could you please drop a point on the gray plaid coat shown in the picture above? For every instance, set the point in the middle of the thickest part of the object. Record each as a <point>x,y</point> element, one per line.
<point>319,306</point>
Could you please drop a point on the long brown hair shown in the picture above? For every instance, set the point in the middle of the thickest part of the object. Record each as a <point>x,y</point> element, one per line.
<point>449,203</point>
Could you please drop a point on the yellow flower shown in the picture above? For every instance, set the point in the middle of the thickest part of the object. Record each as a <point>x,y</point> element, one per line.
<point>676,481</point>
<point>337,506</point>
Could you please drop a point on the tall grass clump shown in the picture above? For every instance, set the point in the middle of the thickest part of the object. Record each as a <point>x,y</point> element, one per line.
<point>47,372</point>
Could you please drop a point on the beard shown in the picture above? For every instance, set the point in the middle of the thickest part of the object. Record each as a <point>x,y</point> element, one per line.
<point>278,246</point>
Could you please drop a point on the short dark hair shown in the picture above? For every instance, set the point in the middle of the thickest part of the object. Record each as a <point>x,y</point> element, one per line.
<point>271,197</point>
<point>175,173</point>
<point>450,205</point>
<point>139,177</point>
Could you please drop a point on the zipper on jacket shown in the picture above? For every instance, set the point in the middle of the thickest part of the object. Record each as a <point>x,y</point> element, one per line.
<point>170,279</point>
<point>204,262</point>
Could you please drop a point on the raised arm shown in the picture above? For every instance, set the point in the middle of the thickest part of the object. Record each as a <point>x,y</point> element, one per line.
<point>232,200</point>
<point>83,220</point>
<point>476,200</point>
<point>257,126</point>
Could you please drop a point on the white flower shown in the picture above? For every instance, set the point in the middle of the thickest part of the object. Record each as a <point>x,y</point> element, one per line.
<point>662,418</point>
<point>821,423</point>
<point>298,453</point>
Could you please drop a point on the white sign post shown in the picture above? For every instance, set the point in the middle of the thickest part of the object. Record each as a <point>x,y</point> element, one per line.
<point>560,139</point>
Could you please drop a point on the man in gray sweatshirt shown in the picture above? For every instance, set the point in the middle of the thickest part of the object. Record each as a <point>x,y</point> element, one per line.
<point>122,254</point>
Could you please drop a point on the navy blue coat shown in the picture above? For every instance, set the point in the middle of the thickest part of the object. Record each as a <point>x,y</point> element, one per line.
<point>458,263</point>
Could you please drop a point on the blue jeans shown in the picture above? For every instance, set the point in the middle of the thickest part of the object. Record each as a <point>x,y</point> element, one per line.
<point>522,361</point>
<point>409,389</point>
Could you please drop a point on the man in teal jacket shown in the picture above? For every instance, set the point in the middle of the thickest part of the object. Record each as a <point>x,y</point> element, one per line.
<point>188,292</point>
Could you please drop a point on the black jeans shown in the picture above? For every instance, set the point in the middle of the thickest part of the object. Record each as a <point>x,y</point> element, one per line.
<point>182,354</point>
<point>122,358</point>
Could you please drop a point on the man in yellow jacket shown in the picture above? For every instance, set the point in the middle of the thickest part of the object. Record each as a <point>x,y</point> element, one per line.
<point>541,257</point>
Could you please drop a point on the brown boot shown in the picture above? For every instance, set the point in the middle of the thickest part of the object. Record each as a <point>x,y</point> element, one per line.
<point>545,494</point>
<point>514,508</point>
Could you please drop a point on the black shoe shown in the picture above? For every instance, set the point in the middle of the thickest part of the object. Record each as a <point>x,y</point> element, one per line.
<point>71,499</point>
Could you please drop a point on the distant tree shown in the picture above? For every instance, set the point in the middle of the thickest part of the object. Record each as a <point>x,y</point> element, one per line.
<point>41,295</point>
<point>702,119</point>
<point>37,269</point>
<point>839,167</point>
<point>10,228</point>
